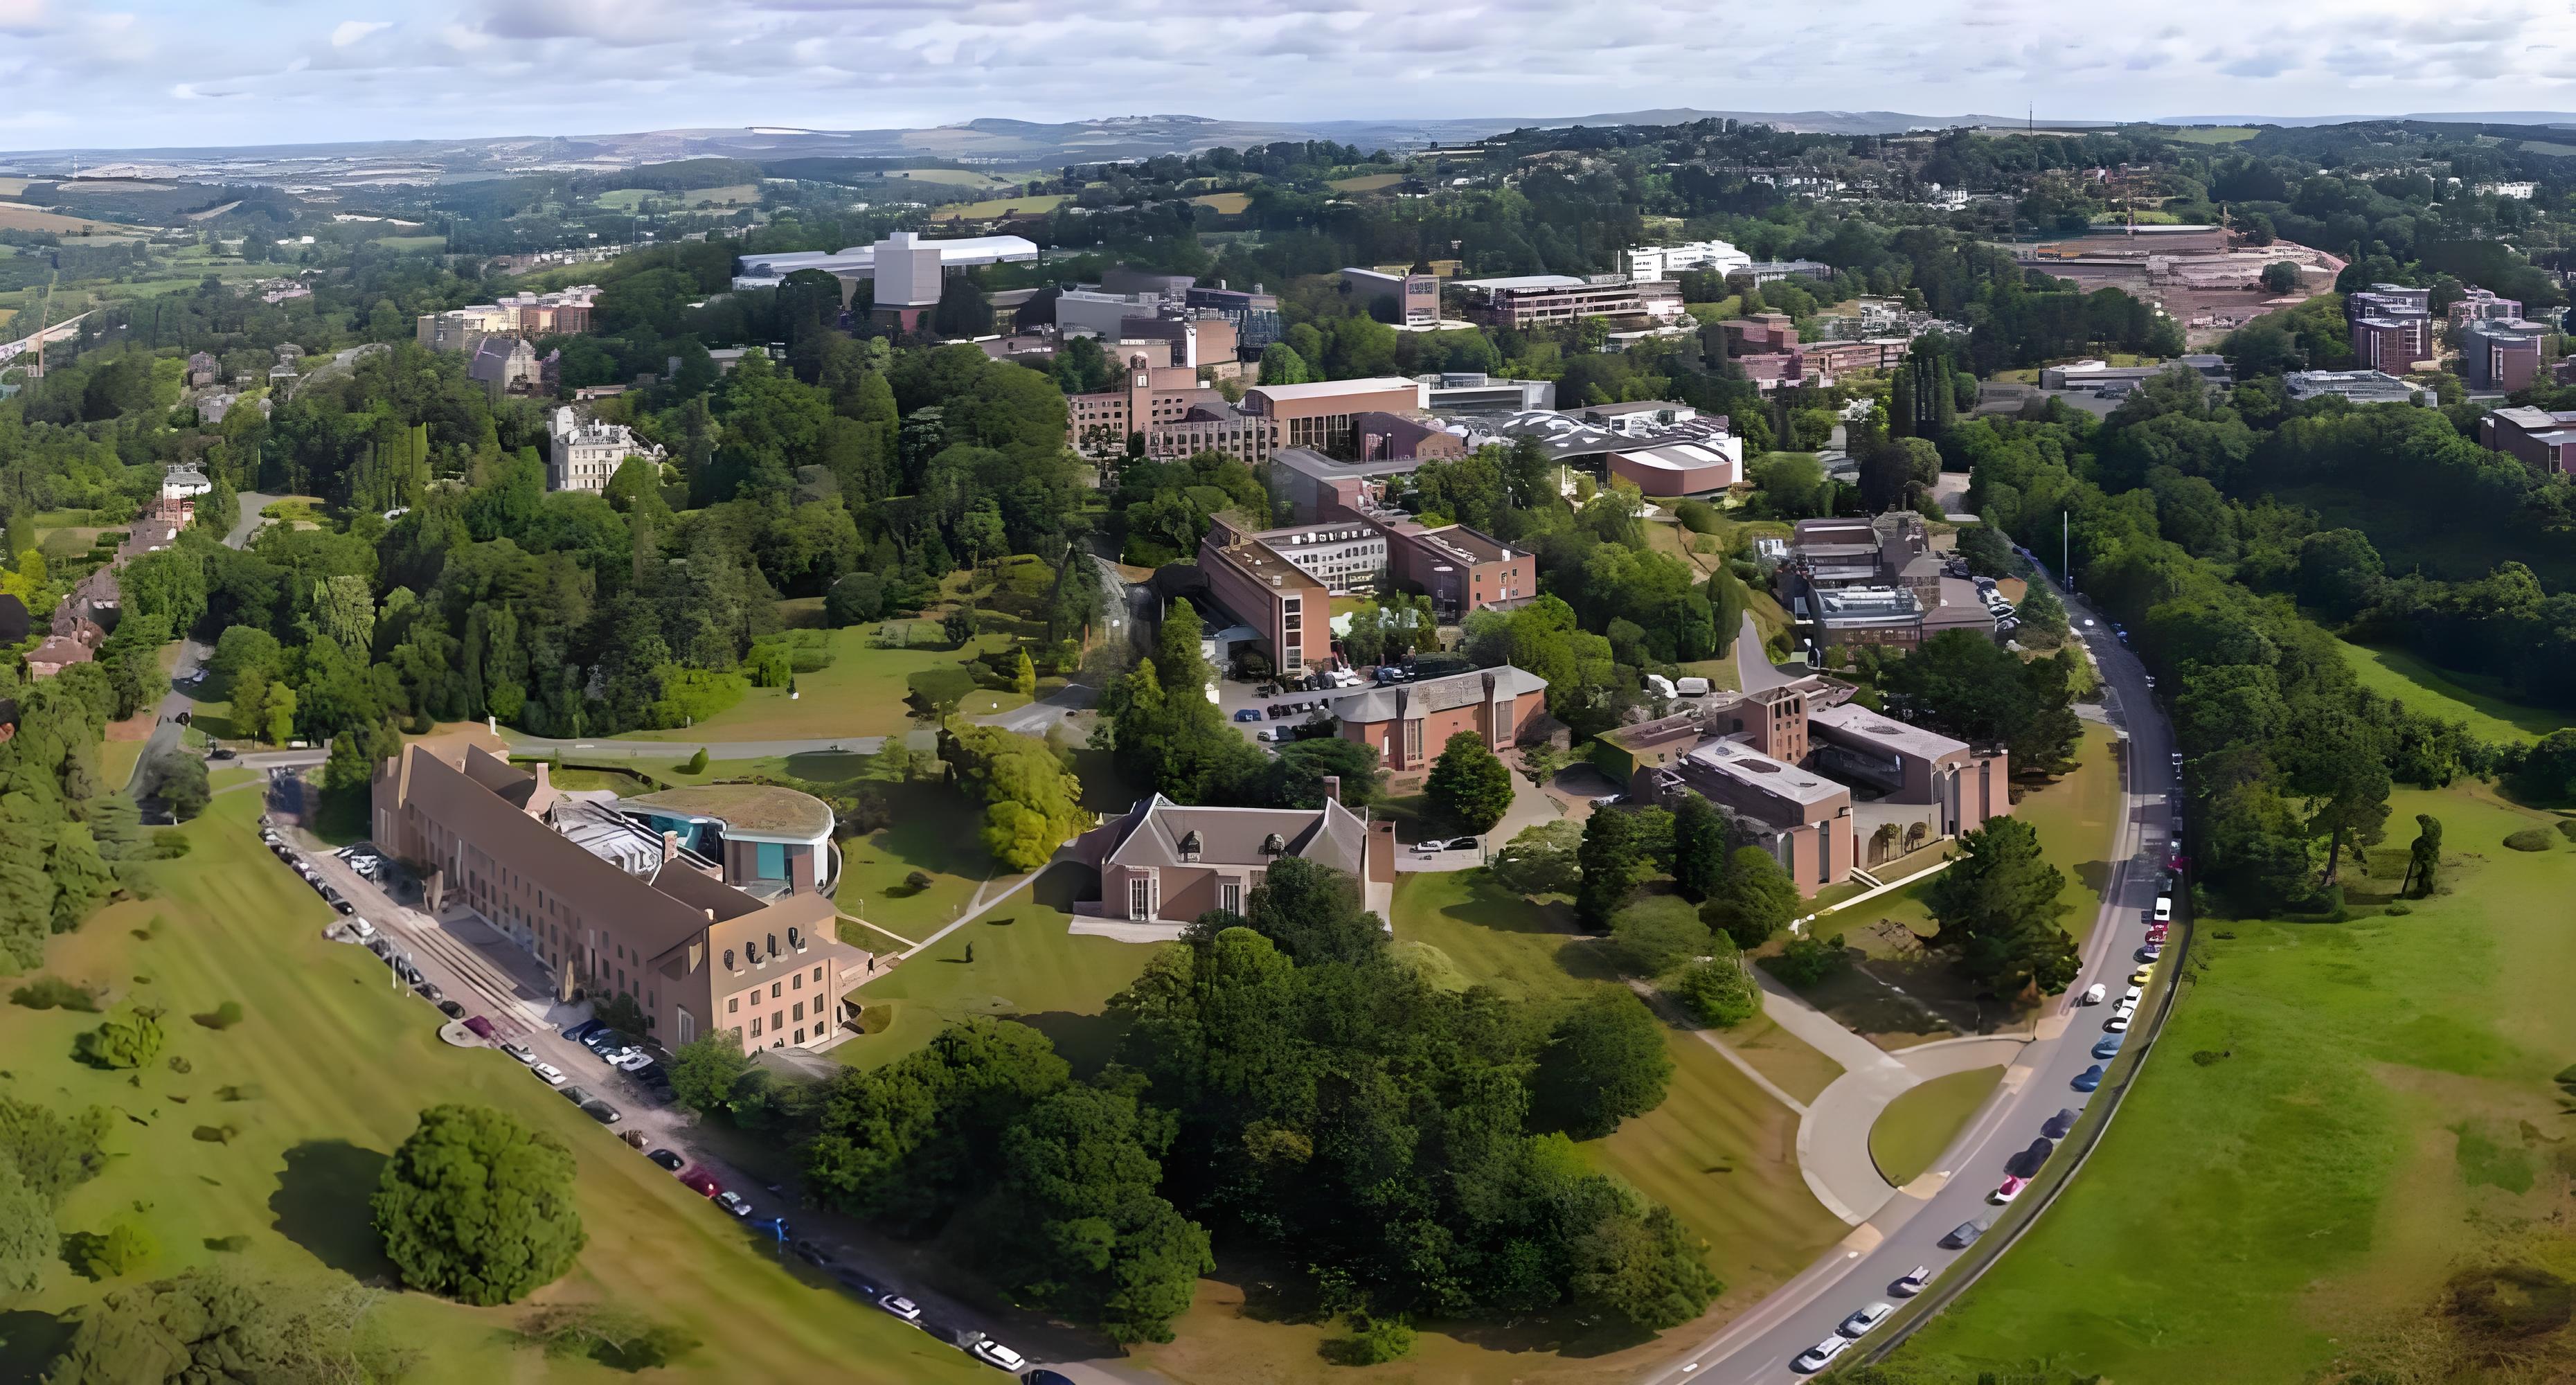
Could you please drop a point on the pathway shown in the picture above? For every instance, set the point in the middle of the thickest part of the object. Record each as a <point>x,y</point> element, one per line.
<point>166,732</point>
<point>1753,667</point>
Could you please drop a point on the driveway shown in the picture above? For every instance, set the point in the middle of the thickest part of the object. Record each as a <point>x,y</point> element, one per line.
<point>1531,806</point>
<point>1753,667</point>
<point>166,732</point>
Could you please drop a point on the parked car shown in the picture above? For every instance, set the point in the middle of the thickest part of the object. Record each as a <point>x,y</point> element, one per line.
<point>576,1095</point>
<point>901,1307</point>
<point>2132,996</point>
<point>2118,1023</point>
<point>1821,1355</point>
<point>2059,1124</point>
<point>521,1052</point>
<point>636,1060</point>
<point>601,1112</point>
<point>668,1160</point>
<point>1267,734</point>
<point>2093,994</point>
<point>734,1203</point>
<point>1247,714</point>
<point>2089,1079</point>
<point>2150,951</point>
<point>1430,846</point>
<point>451,1009</point>
<point>480,1028</point>
<point>2164,908</point>
<point>993,1353</point>
<point>1966,1233</point>
<point>2141,976</point>
<point>2007,1190</point>
<point>1691,687</point>
<point>578,1031</point>
<point>548,1073</point>
<point>1860,1323</point>
<point>812,1254</point>
<point>2108,1046</point>
<point>1911,1282</point>
<point>429,991</point>
<point>700,1180</point>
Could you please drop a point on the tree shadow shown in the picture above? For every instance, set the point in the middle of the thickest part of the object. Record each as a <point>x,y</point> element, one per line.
<point>321,1204</point>
<point>1489,905</point>
<point>1087,1042</point>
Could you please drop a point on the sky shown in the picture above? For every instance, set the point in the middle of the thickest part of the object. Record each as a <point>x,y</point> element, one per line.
<point>142,73</point>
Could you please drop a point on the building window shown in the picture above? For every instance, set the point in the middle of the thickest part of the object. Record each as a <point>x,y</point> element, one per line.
<point>799,980</point>
<point>778,1021</point>
<point>776,990</point>
<point>800,1010</point>
<point>755,1026</point>
<point>1140,902</point>
<point>818,976</point>
<point>1825,853</point>
<point>800,1036</point>
<point>1229,897</point>
<point>733,1005</point>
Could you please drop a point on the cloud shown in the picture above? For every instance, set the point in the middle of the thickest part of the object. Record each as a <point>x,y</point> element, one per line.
<point>352,30</point>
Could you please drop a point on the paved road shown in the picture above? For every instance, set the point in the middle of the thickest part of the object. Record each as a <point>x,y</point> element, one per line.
<point>1753,667</point>
<point>166,732</point>
<point>1757,1348</point>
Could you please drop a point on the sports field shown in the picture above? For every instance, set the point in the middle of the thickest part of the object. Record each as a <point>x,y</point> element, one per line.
<point>274,1130</point>
<point>2348,1158</point>
<point>2424,688</point>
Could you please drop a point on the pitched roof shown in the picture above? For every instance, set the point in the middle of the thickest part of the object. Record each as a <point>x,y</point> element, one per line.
<point>1438,694</point>
<point>1156,828</point>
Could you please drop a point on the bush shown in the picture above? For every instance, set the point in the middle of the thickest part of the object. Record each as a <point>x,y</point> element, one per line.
<point>691,695</point>
<point>1373,1341</point>
<point>1806,962</point>
<point>1653,936</point>
<point>223,1016</point>
<point>1720,993</point>
<point>697,763</point>
<point>54,993</point>
<point>123,1250</point>
<point>855,599</point>
<point>2530,839</point>
<point>1698,516</point>
<point>2567,828</point>
<point>129,1038</point>
<point>2397,910</point>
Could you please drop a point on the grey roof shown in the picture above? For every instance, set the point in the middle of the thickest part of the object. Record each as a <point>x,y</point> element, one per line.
<point>1878,729</point>
<point>1438,694</point>
<point>1155,828</point>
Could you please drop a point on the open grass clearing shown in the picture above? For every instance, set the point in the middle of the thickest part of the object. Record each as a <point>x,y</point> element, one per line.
<point>328,1072</point>
<point>952,177</point>
<point>1023,205</point>
<point>1918,1125</point>
<point>861,693</point>
<point>20,218</point>
<point>1366,182</point>
<point>1025,965</point>
<point>1224,203</point>
<point>2214,134</point>
<point>2449,696</point>
<point>2374,1113</point>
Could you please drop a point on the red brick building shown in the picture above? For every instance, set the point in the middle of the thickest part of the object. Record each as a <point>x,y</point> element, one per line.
<point>1409,723</point>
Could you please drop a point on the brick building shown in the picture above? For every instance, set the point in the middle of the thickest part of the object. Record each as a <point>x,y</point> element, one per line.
<point>1408,724</point>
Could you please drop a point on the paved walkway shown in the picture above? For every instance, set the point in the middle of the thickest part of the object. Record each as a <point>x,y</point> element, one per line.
<point>1753,667</point>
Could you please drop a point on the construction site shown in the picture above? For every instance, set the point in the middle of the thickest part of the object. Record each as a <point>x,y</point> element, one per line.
<point>2204,277</point>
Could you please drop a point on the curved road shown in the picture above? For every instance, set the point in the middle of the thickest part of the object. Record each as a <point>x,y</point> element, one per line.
<point>1758,1347</point>
<point>165,736</point>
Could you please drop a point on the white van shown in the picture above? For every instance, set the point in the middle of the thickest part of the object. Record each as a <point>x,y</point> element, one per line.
<point>2164,908</point>
<point>1660,686</point>
<point>1691,687</point>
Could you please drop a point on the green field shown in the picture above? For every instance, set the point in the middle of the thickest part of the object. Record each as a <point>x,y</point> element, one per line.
<point>2340,1119</point>
<point>1023,205</point>
<point>2214,134</point>
<point>1366,182</point>
<point>2424,688</point>
<point>1917,1126</point>
<point>327,1074</point>
<point>732,194</point>
<point>860,694</point>
<point>953,177</point>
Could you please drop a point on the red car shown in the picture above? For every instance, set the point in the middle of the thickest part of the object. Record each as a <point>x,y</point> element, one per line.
<point>701,1180</point>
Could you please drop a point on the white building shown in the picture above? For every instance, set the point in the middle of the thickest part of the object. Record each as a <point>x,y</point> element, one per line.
<point>583,453</point>
<point>2519,191</point>
<point>1650,262</point>
<point>906,268</point>
<point>184,483</point>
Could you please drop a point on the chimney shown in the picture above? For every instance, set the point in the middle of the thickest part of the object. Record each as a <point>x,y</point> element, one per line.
<point>545,783</point>
<point>670,847</point>
<point>1333,787</point>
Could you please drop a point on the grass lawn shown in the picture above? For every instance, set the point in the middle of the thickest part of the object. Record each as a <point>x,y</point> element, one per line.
<point>1719,1152</point>
<point>2375,1113</point>
<point>861,694</point>
<point>2074,817</point>
<point>117,759</point>
<point>326,1075</point>
<point>1917,1126</point>
<point>954,177</point>
<point>1366,182</point>
<point>2214,134</point>
<point>1224,203</point>
<point>1025,965</point>
<point>2449,696</point>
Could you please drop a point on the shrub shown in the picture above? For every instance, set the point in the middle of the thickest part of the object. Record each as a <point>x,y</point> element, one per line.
<point>1655,935</point>
<point>1698,516</point>
<point>2567,828</point>
<point>1373,1341</point>
<point>124,1249</point>
<point>691,695</point>
<point>2398,910</point>
<point>1719,993</point>
<point>2529,839</point>
<point>697,763</point>
<point>54,993</point>
<point>449,1236</point>
<point>129,1038</point>
<point>1806,962</point>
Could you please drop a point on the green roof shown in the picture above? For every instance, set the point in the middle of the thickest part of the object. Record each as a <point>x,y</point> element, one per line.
<point>761,810</point>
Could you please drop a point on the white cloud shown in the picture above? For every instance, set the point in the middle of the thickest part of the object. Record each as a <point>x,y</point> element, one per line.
<point>352,30</point>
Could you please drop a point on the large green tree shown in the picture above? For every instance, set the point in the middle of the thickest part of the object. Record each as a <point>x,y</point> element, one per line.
<point>1469,787</point>
<point>1092,1235</point>
<point>478,1207</point>
<point>1998,908</point>
<point>1754,898</point>
<point>1604,1063</point>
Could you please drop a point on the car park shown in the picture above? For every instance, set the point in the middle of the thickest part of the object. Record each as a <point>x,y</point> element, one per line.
<point>2132,996</point>
<point>993,1353</point>
<point>2089,1079</point>
<point>2108,1046</point>
<point>2059,1124</point>
<point>578,1031</point>
<point>734,1203</point>
<point>667,1160</point>
<point>901,1307</point>
<point>1822,1354</point>
<point>1860,1323</point>
<point>2093,994</point>
<point>576,1095</point>
<point>1965,1234</point>
<point>2007,1190</point>
<point>548,1073</point>
<point>1911,1282</point>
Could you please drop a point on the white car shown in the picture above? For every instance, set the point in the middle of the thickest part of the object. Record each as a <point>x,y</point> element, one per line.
<point>1822,1354</point>
<point>520,1052</point>
<point>901,1307</point>
<point>2118,1023</point>
<point>548,1073</point>
<point>2129,998</point>
<point>993,1353</point>
<point>1431,846</point>
<point>636,1060</point>
<point>2094,993</point>
<point>1859,1324</point>
<point>1911,1282</point>
<point>2164,908</point>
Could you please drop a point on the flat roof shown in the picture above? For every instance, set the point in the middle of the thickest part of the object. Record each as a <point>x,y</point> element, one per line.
<point>1885,731</point>
<point>1680,456</point>
<point>1326,389</point>
<point>1745,765</point>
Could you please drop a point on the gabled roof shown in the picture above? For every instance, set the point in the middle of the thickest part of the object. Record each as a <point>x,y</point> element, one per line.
<point>1154,830</point>
<point>1438,694</point>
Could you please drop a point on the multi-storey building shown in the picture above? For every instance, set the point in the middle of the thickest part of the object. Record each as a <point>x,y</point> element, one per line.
<point>1346,555</point>
<point>1416,297</point>
<point>2544,439</point>
<point>2482,305</point>
<point>607,905</point>
<point>583,454</point>
<point>2500,355</point>
<point>1289,610</point>
<point>1521,305</point>
<point>2391,326</point>
<point>1651,262</point>
<point>1254,314</point>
